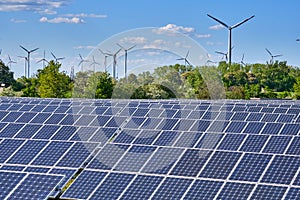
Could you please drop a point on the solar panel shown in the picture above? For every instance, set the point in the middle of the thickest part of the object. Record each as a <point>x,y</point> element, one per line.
<point>235,191</point>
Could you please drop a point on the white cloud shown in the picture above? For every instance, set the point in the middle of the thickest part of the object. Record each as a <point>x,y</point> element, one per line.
<point>85,15</point>
<point>214,43</point>
<point>216,27</point>
<point>172,28</point>
<point>133,40</point>
<point>48,12</point>
<point>74,20</point>
<point>85,47</point>
<point>17,20</point>
<point>202,35</point>
<point>30,5</point>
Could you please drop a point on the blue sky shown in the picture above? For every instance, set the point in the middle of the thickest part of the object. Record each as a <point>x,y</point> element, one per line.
<point>70,27</point>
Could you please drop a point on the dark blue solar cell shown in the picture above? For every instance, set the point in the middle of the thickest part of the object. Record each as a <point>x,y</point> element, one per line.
<point>36,186</point>
<point>4,106</point>
<point>217,126</point>
<point>167,124</point>
<point>293,193</point>
<point>203,189</point>
<point>26,117</point>
<point>256,117</point>
<point>267,110</point>
<point>10,130</point>
<point>84,185</point>
<point>220,165</point>
<point>150,123</point>
<point>239,116</point>
<point>103,135</point>
<point>15,107</point>
<point>12,168</point>
<point>84,133</point>
<point>141,112</point>
<point>11,117</point>
<point>282,170</point>
<point>268,192</point>
<point>236,191</point>
<point>113,186</point>
<point>38,108</point>
<point>280,110</point>
<point>100,120</point>
<point>142,187</point>
<point>67,173</point>
<point>52,153</point>
<point>277,144</point>
<point>236,127</point>
<point>200,126</point>
<point>64,133</point>
<point>87,110</point>
<point>172,188</point>
<point>146,137</point>
<point>209,140</point>
<point>184,124</point>
<point>162,160</point>
<point>26,107</point>
<point>290,129</point>
<point>77,155</point>
<point>69,119</point>
<point>166,138</point>
<point>294,148</point>
<point>254,127</point>
<point>55,118</point>
<point>210,115</point>
<point>116,122</point>
<point>191,162</point>
<point>254,143</point>
<point>286,118</point>
<point>134,123</point>
<point>40,118</point>
<point>251,167</point>
<point>270,117</point>
<point>134,158</point>
<point>85,120</point>
<point>46,132</point>
<point>196,115</point>
<point>181,114</point>
<point>62,109</point>
<point>2,125</point>
<point>3,114</point>
<point>42,170</point>
<point>232,142</point>
<point>28,131</point>
<point>8,181</point>
<point>49,109</point>
<point>188,139</point>
<point>126,136</point>
<point>27,152</point>
<point>272,128</point>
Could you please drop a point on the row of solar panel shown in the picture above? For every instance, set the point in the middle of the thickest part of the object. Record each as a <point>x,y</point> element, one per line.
<point>103,185</point>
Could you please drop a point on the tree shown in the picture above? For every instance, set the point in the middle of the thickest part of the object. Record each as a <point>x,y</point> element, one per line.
<point>53,83</point>
<point>100,85</point>
<point>296,88</point>
<point>6,76</point>
<point>30,87</point>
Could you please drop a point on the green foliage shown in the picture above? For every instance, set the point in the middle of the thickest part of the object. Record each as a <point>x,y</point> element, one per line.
<point>30,87</point>
<point>296,88</point>
<point>6,76</point>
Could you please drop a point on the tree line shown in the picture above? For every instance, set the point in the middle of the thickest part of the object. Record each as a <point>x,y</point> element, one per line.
<point>235,81</point>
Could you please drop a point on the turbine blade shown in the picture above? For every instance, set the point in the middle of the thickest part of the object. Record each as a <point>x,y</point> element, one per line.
<point>33,50</point>
<point>238,24</point>
<point>218,21</point>
<point>24,48</point>
<point>80,57</point>
<point>53,56</point>
<point>269,52</point>
<point>297,40</point>
<point>277,56</point>
<point>131,47</point>
<point>120,46</point>
<point>187,54</point>
<point>187,62</point>
<point>180,59</point>
<point>219,52</point>
<point>118,51</point>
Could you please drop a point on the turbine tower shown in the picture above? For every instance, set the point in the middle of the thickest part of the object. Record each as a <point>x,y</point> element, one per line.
<point>125,60</point>
<point>25,64</point>
<point>230,29</point>
<point>114,69</point>
<point>28,58</point>
<point>43,59</point>
<point>272,56</point>
<point>81,62</point>
<point>10,61</point>
<point>106,55</point>
<point>94,63</point>
<point>185,59</point>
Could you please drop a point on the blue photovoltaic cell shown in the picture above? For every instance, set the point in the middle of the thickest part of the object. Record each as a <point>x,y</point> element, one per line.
<point>134,123</point>
<point>26,107</point>
<point>113,186</point>
<point>150,123</point>
<point>69,119</point>
<point>220,165</point>
<point>15,107</point>
<point>26,117</point>
<point>28,131</point>
<point>67,173</point>
<point>142,187</point>
<point>267,110</point>
<point>84,185</point>
<point>12,168</point>
<point>280,110</point>
<point>64,133</point>
<point>2,125</point>
<point>55,118</point>
<point>83,133</point>
<point>191,162</point>
<point>37,169</point>
<point>277,144</point>
<point>200,126</point>
<point>61,109</point>
<point>10,130</point>
<point>166,138</point>
<point>4,106</point>
<point>286,118</point>
<point>203,189</point>
<point>239,116</point>
<point>293,193</point>
<point>188,139</point>
<point>134,158</point>
<point>86,110</point>
<point>184,125</point>
<point>49,109</point>
<point>268,192</point>
<point>172,188</point>
<point>11,117</point>
<point>8,181</point>
<point>126,136</point>
<point>141,112</point>
<point>167,124</point>
<point>217,126</point>
<point>85,120</point>
<point>256,117</point>
<point>146,137</point>
<point>181,114</point>
<point>102,135</point>
<point>162,160</point>
<point>3,114</point>
<point>210,115</point>
<point>52,153</point>
<point>282,170</point>
<point>272,128</point>
<point>269,117</point>
<point>100,120</point>
<point>232,142</point>
<point>46,132</point>
<point>9,146</point>
<point>236,191</point>
<point>196,114</point>
<point>209,140</point>
<point>29,189</point>
<point>40,118</point>
<point>290,129</point>
<point>77,155</point>
<point>294,148</point>
<point>27,152</point>
<point>254,127</point>
<point>236,127</point>
<point>251,167</point>
<point>254,143</point>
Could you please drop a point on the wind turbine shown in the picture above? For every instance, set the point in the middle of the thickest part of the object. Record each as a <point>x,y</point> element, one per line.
<point>43,59</point>
<point>28,57</point>
<point>272,56</point>
<point>57,59</point>
<point>298,40</point>
<point>106,55</point>
<point>185,59</point>
<point>25,62</point>
<point>72,73</point>
<point>10,61</point>
<point>242,61</point>
<point>223,55</point>
<point>94,63</point>
<point>114,62</point>
<point>230,29</point>
<point>125,60</point>
<point>81,62</point>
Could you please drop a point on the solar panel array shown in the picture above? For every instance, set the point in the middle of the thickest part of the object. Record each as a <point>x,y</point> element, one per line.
<point>149,149</point>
